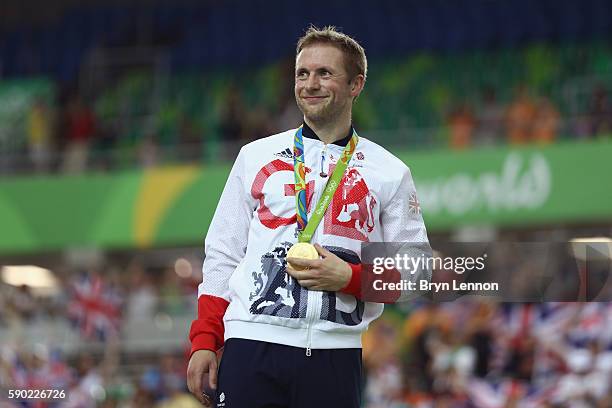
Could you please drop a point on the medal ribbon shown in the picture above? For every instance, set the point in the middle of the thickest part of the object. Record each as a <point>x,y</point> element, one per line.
<point>305,228</point>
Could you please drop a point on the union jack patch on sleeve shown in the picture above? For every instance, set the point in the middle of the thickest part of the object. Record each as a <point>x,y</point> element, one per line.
<point>414,207</point>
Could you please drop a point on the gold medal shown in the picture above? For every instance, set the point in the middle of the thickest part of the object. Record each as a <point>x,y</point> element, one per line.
<point>302,250</point>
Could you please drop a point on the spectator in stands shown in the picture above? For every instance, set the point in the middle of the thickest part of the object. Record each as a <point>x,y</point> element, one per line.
<point>288,115</point>
<point>420,328</point>
<point>105,143</point>
<point>166,128</point>
<point>520,116</point>
<point>584,383</point>
<point>232,127</point>
<point>40,137</point>
<point>520,362</point>
<point>172,296</point>
<point>81,128</point>
<point>142,397</point>
<point>453,360</point>
<point>90,382</point>
<point>481,338</point>
<point>22,302</point>
<point>7,364</point>
<point>546,122</point>
<point>581,126</point>
<point>600,112</point>
<point>141,304</point>
<point>148,151</point>
<point>490,118</point>
<point>173,381</point>
<point>461,124</point>
<point>259,124</point>
<point>189,138</point>
<point>380,357</point>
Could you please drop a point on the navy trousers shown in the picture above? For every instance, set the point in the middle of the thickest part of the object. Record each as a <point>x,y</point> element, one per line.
<point>256,374</point>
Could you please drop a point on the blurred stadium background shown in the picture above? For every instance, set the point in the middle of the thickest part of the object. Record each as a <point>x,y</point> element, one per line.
<point>119,121</point>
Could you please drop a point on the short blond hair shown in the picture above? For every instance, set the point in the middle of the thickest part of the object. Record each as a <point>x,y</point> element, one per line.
<point>354,54</point>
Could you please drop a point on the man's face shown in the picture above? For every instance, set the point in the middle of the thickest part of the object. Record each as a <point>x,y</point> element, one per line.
<point>322,88</point>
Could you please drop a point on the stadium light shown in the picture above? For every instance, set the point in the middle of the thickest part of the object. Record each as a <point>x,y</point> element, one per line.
<point>40,280</point>
<point>591,248</point>
<point>183,268</point>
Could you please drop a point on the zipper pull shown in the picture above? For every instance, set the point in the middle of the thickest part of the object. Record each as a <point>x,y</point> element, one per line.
<point>308,352</point>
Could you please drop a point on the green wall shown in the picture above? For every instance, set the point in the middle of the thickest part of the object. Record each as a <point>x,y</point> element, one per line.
<point>567,182</point>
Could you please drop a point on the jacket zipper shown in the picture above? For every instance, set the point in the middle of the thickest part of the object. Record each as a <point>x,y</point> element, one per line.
<point>314,297</point>
<point>313,300</point>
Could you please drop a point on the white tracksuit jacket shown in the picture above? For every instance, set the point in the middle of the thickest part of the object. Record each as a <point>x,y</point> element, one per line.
<point>254,225</point>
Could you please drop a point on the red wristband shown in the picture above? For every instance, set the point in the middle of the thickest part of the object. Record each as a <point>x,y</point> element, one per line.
<point>354,285</point>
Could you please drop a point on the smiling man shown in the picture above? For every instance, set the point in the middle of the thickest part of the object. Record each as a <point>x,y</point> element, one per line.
<point>326,83</point>
<point>281,289</point>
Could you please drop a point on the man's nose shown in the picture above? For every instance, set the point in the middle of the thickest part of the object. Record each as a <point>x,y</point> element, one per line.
<point>312,82</point>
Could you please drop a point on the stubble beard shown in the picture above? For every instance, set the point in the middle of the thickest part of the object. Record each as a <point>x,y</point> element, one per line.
<point>322,114</point>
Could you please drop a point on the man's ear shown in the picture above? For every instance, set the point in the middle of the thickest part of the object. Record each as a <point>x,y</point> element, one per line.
<point>357,85</point>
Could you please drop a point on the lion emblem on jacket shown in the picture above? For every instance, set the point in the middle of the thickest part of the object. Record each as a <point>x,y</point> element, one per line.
<point>276,292</point>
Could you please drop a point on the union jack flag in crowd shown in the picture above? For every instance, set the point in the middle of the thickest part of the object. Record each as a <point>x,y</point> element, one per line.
<point>95,307</point>
<point>506,392</point>
<point>592,323</point>
<point>519,320</point>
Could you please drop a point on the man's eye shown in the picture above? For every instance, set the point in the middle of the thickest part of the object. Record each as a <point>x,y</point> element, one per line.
<point>301,75</point>
<point>325,73</point>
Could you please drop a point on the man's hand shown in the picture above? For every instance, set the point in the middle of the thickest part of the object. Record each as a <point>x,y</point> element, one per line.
<point>202,362</point>
<point>329,273</point>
